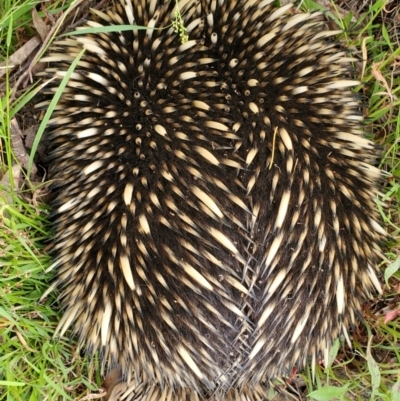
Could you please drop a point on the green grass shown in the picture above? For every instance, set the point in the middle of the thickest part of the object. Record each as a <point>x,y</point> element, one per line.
<point>33,366</point>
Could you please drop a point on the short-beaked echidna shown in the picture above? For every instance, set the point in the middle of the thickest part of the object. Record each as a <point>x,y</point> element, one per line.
<point>214,215</point>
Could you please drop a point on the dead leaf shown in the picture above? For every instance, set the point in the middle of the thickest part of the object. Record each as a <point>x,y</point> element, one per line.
<point>41,28</point>
<point>94,396</point>
<point>116,392</point>
<point>379,77</point>
<point>20,55</point>
<point>112,384</point>
<point>391,316</point>
<point>23,342</point>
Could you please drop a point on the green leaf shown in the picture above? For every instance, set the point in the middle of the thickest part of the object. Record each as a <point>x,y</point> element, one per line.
<point>373,370</point>
<point>10,31</point>
<point>50,109</point>
<point>333,353</point>
<point>10,383</point>
<point>328,393</point>
<point>391,269</point>
<point>395,392</point>
<point>386,36</point>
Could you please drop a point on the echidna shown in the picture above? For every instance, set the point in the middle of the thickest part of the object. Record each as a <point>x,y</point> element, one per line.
<point>214,215</point>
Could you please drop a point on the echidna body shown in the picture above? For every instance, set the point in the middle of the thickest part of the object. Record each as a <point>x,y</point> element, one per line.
<point>214,221</point>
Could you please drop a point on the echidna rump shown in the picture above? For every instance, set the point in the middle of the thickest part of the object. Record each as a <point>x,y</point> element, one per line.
<point>214,215</point>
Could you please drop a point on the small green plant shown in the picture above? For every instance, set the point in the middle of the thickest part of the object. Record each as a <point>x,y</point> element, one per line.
<point>179,26</point>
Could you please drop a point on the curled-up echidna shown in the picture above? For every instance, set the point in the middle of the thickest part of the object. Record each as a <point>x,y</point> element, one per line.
<point>214,215</point>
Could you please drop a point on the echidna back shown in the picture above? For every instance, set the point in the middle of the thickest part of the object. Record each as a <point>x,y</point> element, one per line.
<point>214,221</point>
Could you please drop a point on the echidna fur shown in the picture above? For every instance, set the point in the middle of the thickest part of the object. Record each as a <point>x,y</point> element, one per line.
<point>214,217</point>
